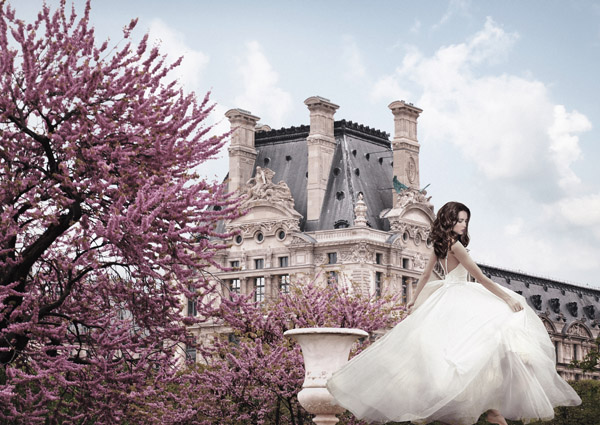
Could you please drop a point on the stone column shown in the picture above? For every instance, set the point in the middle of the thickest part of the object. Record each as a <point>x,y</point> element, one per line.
<point>244,286</point>
<point>269,292</point>
<point>321,146</point>
<point>405,145</point>
<point>559,351</point>
<point>409,289</point>
<point>242,153</point>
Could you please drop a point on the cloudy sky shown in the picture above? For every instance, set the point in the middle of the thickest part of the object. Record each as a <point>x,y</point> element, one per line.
<point>511,121</point>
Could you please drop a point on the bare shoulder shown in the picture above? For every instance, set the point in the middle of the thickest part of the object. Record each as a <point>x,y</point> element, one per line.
<point>457,246</point>
<point>459,251</point>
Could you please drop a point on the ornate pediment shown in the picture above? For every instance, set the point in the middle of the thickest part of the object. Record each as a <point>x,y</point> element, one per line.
<point>412,210</point>
<point>579,330</point>
<point>270,207</point>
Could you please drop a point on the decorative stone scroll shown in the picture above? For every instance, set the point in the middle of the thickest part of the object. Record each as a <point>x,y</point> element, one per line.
<point>419,262</point>
<point>413,230</point>
<point>269,228</point>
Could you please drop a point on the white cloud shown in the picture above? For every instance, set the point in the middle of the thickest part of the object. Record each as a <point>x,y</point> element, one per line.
<point>416,27</point>
<point>512,152</point>
<point>507,125</point>
<point>455,7</point>
<point>217,167</point>
<point>579,211</point>
<point>173,43</point>
<point>564,146</point>
<point>492,44</point>
<point>388,88</point>
<point>261,93</point>
<point>514,228</point>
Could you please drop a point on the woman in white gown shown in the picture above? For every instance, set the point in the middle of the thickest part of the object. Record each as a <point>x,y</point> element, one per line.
<point>466,348</point>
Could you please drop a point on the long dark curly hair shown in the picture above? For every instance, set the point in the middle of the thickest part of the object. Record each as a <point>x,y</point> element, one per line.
<point>442,235</point>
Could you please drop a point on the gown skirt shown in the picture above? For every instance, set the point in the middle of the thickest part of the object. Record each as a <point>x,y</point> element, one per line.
<point>460,352</point>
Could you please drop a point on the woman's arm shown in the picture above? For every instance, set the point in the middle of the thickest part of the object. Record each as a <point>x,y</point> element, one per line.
<point>424,279</point>
<point>462,255</point>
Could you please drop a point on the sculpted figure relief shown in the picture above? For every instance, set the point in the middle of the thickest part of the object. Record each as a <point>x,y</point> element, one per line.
<point>262,187</point>
<point>413,196</point>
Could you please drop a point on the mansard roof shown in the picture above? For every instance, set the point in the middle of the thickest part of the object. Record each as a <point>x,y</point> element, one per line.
<point>362,162</point>
<point>559,301</point>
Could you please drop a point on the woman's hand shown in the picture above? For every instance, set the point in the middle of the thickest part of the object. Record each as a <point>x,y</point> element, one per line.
<point>514,304</point>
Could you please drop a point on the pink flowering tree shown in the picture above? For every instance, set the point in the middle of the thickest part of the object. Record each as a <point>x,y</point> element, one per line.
<point>253,374</point>
<point>103,224</point>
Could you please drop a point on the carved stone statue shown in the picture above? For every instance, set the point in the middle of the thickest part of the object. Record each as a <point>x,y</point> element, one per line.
<point>262,187</point>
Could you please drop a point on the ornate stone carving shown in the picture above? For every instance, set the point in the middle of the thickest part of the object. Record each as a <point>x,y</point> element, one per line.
<point>413,196</point>
<point>399,226</point>
<point>360,211</point>
<point>572,308</point>
<point>548,326</point>
<point>536,300</point>
<point>346,256</point>
<point>577,329</point>
<point>590,311</point>
<point>262,187</point>
<point>419,262</point>
<point>555,305</point>
<point>362,253</point>
<point>268,228</point>
<point>296,240</point>
<point>320,259</point>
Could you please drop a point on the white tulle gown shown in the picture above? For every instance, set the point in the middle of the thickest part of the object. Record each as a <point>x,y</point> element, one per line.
<point>461,352</point>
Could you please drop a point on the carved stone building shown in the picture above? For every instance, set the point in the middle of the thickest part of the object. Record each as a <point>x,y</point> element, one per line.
<point>321,205</point>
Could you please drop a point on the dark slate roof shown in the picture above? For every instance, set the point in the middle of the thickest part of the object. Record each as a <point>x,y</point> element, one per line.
<point>562,302</point>
<point>285,152</point>
<point>362,162</point>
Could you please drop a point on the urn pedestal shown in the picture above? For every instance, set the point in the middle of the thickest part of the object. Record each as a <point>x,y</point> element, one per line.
<point>325,350</point>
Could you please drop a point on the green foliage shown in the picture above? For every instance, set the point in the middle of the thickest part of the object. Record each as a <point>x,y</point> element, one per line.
<point>590,363</point>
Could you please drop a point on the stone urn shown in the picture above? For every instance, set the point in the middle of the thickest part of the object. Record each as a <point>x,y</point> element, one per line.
<point>325,350</point>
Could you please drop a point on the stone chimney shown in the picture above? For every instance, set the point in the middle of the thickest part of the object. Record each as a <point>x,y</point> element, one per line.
<point>242,154</point>
<point>405,145</point>
<point>321,145</point>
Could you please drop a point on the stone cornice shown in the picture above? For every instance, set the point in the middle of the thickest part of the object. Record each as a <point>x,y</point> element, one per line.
<point>282,134</point>
<point>366,132</point>
<point>537,280</point>
<point>339,127</point>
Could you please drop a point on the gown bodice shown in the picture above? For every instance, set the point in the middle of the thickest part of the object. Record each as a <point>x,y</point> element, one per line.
<point>457,274</point>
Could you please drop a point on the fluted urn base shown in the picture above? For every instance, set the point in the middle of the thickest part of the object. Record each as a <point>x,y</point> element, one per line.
<point>325,350</point>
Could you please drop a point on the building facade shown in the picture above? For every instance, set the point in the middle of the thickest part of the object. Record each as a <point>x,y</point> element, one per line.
<point>322,206</point>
